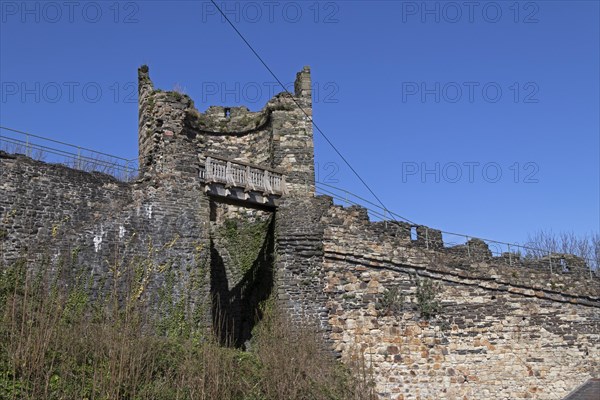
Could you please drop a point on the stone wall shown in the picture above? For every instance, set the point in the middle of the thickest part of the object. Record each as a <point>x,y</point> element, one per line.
<point>41,201</point>
<point>165,217</point>
<point>174,135</point>
<point>51,213</point>
<point>434,322</point>
<point>215,256</point>
<point>299,266</point>
<point>500,333</point>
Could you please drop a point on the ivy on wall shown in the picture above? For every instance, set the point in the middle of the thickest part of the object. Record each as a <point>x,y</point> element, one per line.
<point>244,241</point>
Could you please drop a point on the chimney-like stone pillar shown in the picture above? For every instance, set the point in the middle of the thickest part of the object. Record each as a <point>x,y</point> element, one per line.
<point>303,84</point>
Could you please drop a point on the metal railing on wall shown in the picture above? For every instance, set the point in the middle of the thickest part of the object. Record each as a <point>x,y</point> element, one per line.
<point>54,151</point>
<point>469,246</point>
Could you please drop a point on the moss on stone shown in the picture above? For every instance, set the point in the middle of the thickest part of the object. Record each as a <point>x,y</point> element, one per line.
<point>151,103</point>
<point>244,240</point>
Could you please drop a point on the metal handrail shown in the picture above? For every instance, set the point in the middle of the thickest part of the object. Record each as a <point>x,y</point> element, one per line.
<point>61,152</point>
<point>116,166</point>
<point>64,143</point>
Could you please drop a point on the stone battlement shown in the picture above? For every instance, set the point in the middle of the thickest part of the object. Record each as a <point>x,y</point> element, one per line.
<point>172,133</point>
<point>224,216</point>
<point>391,242</point>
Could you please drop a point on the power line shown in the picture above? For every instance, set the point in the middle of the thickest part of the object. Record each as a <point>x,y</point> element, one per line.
<point>302,109</point>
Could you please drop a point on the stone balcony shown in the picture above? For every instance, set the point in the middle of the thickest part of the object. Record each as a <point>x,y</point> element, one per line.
<point>241,181</point>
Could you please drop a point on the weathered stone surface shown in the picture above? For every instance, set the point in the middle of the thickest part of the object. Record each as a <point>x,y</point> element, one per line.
<point>172,133</point>
<point>498,335</point>
<point>499,328</point>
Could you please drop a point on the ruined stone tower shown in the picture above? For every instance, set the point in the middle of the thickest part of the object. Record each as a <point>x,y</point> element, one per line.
<point>172,133</point>
<point>224,216</point>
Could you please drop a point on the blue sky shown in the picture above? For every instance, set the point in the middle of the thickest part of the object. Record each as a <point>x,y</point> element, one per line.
<point>473,117</point>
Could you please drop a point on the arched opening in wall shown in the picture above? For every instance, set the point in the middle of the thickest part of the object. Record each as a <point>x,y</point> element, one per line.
<point>241,277</point>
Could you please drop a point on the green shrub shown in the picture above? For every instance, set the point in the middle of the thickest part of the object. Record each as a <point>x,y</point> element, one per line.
<point>59,342</point>
<point>427,302</point>
<point>391,302</point>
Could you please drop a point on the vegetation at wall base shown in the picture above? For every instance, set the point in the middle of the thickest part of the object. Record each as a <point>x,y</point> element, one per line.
<point>59,342</point>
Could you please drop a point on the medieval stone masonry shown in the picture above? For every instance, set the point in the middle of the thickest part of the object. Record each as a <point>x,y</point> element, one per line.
<point>224,207</point>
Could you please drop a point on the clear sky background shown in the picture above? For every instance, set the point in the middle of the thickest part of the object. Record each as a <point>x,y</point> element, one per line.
<point>429,101</point>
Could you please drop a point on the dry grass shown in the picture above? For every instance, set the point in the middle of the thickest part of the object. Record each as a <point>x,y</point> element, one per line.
<point>58,343</point>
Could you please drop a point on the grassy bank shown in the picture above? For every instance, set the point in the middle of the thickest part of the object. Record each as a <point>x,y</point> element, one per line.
<point>59,343</point>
